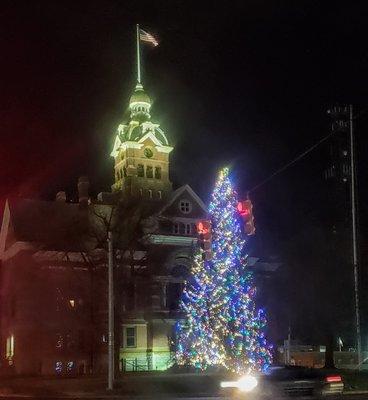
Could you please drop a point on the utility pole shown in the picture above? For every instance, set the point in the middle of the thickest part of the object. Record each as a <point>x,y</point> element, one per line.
<point>354,239</point>
<point>288,348</point>
<point>110,380</point>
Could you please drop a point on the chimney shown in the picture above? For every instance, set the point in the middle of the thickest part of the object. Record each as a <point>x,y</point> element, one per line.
<point>83,186</point>
<point>60,196</point>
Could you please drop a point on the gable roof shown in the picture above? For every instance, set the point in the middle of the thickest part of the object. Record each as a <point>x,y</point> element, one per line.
<point>178,192</point>
<point>150,136</point>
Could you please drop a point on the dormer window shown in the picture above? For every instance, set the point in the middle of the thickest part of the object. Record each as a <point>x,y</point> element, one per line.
<point>185,206</point>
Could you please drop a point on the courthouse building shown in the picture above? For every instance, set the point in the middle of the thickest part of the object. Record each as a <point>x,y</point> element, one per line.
<point>53,276</point>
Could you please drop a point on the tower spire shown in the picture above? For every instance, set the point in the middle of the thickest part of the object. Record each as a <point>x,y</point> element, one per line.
<point>138,57</point>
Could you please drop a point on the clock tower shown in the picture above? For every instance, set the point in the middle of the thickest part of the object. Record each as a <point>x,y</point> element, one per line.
<point>141,153</point>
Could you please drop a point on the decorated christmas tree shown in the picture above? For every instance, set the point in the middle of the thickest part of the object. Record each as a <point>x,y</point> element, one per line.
<point>222,326</point>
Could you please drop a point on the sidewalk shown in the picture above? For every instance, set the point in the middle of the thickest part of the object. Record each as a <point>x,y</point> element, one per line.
<point>130,385</point>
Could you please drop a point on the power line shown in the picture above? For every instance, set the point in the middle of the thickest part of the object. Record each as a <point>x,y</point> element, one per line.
<point>283,168</point>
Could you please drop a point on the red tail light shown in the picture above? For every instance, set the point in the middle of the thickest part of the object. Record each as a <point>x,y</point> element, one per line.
<point>333,378</point>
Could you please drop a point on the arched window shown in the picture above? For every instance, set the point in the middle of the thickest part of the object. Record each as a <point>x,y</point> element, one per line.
<point>140,170</point>
<point>149,172</point>
<point>158,172</point>
<point>174,291</point>
<point>176,228</point>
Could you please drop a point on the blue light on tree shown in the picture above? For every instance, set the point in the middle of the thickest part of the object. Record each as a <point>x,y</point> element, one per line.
<point>222,326</point>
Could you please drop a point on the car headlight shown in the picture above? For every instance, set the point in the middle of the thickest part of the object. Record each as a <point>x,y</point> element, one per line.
<point>245,384</point>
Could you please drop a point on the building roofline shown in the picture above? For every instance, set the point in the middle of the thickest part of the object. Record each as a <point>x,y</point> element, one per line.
<point>178,192</point>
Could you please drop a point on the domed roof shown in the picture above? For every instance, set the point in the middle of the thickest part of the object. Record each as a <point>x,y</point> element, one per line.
<point>139,96</point>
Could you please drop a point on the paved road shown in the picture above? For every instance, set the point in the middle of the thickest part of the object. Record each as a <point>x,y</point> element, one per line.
<point>171,397</point>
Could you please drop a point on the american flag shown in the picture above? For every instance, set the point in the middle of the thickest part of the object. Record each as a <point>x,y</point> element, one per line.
<point>147,37</point>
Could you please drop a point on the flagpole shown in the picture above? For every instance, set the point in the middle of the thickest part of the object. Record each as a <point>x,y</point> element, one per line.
<point>138,57</point>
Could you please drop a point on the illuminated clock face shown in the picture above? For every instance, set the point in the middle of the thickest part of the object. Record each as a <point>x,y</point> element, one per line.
<point>148,152</point>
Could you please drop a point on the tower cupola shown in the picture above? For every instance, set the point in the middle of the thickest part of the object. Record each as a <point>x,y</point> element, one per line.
<point>141,149</point>
<point>140,104</point>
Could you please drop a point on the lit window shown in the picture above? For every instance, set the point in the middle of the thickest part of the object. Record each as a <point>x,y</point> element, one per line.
<point>69,366</point>
<point>10,347</point>
<point>188,229</point>
<point>150,193</point>
<point>58,367</point>
<point>159,194</point>
<point>59,341</point>
<point>176,228</point>
<point>140,170</point>
<point>185,206</point>
<point>72,303</point>
<point>149,171</point>
<point>158,172</point>
<point>130,337</point>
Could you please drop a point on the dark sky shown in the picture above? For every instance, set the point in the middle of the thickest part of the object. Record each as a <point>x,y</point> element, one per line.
<point>244,83</point>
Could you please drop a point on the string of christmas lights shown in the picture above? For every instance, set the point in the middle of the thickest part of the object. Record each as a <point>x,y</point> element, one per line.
<point>222,325</point>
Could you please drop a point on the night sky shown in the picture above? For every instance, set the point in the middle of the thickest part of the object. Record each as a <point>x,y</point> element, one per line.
<point>241,83</point>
